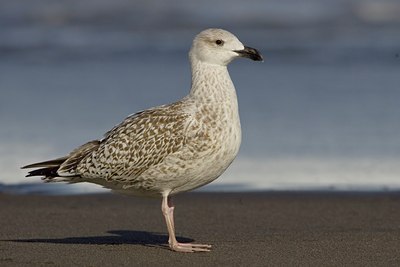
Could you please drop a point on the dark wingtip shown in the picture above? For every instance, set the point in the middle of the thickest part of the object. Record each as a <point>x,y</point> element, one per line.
<point>49,163</point>
<point>47,172</point>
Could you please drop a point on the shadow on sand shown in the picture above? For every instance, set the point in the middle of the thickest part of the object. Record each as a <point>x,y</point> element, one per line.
<point>118,237</point>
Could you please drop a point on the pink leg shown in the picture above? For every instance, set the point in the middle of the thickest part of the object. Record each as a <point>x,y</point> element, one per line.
<point>168,211</point>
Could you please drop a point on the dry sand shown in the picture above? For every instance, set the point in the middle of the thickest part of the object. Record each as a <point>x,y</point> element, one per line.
<point>246,229</point>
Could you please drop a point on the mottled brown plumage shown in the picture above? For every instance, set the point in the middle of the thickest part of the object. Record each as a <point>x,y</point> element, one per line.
<point>172,148</point>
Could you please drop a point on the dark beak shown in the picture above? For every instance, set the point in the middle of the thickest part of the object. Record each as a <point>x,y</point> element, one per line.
<point>250,53</point>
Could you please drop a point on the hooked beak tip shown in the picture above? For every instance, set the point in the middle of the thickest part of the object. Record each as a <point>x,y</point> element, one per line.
<point>251,53</point>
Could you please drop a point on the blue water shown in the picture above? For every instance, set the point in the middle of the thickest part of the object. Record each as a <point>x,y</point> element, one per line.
<point>320,113</point>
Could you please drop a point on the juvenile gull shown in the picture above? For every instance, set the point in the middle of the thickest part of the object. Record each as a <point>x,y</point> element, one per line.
<point>172,148</point>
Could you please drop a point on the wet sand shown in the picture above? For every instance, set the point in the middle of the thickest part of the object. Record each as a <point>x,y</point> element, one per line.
<point>253,229</point>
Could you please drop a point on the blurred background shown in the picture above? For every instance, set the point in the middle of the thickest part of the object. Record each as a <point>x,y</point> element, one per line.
<point>321,113</point>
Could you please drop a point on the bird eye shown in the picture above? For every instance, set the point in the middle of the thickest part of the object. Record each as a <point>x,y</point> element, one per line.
<point>219,42</point>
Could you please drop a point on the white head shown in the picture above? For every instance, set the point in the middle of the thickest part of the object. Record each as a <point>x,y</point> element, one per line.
<point>220,47</point>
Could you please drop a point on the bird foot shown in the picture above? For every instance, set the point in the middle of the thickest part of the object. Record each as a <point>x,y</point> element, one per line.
<point>188,247</point>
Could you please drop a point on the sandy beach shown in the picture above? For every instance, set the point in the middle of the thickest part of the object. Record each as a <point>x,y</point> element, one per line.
<point>253,229</point>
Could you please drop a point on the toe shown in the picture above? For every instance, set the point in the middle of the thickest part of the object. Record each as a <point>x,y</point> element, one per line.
<point>187,247</point>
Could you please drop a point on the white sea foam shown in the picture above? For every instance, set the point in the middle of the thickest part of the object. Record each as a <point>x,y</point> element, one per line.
<point>14,155</point>
<point>245,174</point>
<point>313,174</point>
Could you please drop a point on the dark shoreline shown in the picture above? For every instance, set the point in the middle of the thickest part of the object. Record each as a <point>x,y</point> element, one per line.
<point>255,229</point>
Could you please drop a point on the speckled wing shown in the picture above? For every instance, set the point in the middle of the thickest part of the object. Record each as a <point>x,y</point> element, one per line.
<point>139,142</point>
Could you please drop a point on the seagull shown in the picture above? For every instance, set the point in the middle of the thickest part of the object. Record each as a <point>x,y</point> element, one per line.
<point>168,149</point>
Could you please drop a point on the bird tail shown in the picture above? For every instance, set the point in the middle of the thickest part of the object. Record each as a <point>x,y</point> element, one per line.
<point>47,169</point>
<point>64,168</point>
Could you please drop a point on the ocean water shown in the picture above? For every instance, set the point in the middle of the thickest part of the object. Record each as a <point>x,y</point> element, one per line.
<point>321,113</point>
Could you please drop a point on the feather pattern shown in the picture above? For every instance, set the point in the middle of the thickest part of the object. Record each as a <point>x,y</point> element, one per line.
<point>139,142</point>
<point>171,148</point>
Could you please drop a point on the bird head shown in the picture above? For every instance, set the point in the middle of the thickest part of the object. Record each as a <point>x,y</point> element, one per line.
<point>220,47</point>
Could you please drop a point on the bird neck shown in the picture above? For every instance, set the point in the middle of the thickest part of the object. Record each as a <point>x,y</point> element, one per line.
<point>211,83</point>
